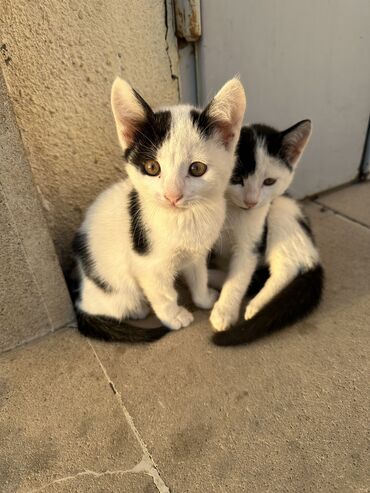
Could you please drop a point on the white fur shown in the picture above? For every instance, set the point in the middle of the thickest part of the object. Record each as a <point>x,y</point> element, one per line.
<point>227,108</point>
<point>289,249</point>
<point>241,233</point>
<point>175,155</point>
<point>180,237</point>
<point>126,111</point>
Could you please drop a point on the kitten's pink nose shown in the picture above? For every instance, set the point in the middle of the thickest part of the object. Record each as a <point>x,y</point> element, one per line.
<point>250,204</point>
<point>173,198</point>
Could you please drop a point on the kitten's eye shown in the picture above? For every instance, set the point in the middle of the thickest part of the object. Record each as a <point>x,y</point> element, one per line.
<point>152,168</point>
<point>237,180</point>
<point>197,169</point>
<point>269,181</point>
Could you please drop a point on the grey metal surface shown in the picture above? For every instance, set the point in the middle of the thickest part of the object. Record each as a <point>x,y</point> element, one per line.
<point>297,60</point>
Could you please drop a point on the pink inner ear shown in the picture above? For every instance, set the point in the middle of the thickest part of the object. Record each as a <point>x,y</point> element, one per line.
<point>226,132</point>
<point>128,130</point>
<point>127,135</point>
<point>292,152</point>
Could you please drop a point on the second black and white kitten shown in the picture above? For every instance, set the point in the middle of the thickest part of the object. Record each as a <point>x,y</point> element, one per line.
<point>264,227</point>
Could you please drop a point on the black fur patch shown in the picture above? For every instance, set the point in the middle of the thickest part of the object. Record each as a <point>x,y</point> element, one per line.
<point>260,246</point>
<point>260,276</point>
<point>247,147</point>
<point>139,238</point>
<point>246,155</point>
<point>273,141</point>
<point>306,226</point>
<point>110,329</point>
<point>203,122</point>
<point>149,137</point>
<point>293,303</point>
<point>81,250</point>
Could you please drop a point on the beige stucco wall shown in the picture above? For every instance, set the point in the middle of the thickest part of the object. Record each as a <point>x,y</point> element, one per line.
<point>59,59</point>
<point>33,296</point>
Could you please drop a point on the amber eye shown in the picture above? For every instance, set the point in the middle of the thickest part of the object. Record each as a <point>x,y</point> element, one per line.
<point>152,168</point>
<point>197,169</point>
<point>269,181</point>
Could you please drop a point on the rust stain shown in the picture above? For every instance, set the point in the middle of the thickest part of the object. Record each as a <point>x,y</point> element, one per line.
<point>194,25</point>
<point>188,25</point>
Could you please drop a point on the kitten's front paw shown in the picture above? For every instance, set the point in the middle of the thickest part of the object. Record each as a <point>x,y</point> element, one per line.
<point>251,310</point>
<point>180,318</point>
<point>207,302</point>
<point>222,317</point>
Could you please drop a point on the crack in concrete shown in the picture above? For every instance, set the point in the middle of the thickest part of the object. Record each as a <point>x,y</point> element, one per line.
<point>172,62</point>
<point>341,214</point>
<point>87,472</point>
<point>147,464</point>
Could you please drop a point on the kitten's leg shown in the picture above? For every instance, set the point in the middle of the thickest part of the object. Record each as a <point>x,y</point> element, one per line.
<point>226,309</point>
<point>216,278</point>
<point>196,276</point>
<point>161,294</point>
<point>280,276</point>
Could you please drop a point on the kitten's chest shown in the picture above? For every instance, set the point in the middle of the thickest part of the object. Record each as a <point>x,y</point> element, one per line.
<point>225,242</point>
<point>243,229</point>
<point>167,254</point>
<point>186,234</point>
<point>237,227</point>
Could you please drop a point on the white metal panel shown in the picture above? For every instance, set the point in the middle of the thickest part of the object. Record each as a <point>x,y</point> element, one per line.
<point>298,60</point>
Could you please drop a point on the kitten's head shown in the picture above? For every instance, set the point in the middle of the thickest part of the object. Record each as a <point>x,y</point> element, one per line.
<point>179,156</point>
<point>266,162</point>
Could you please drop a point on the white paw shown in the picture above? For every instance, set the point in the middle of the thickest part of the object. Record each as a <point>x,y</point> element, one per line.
<point>180,318</point>
<point>222,317</point>
<point>251,310</point>
<point>207,301</point>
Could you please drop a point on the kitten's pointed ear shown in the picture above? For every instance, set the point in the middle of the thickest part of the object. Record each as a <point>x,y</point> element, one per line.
<point>294,141</point>
<point>130,111</point>
<point>226,111</point>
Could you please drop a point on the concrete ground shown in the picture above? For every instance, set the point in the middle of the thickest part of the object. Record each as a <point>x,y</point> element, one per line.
<point>285,414</point>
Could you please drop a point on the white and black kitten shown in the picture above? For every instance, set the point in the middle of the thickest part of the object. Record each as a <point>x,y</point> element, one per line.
<point>161,221</point>
<point>264,227</point>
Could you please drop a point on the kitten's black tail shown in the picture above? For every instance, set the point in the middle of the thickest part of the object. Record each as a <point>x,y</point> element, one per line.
<point>110,329</point>
<point>293,303</point>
